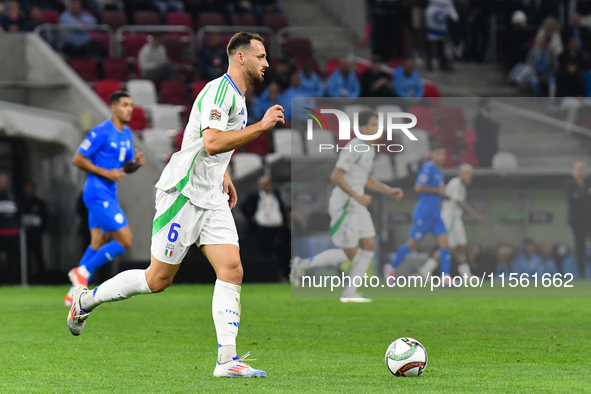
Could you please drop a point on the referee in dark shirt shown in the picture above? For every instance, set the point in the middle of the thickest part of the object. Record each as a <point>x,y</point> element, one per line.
<point>578,194</point>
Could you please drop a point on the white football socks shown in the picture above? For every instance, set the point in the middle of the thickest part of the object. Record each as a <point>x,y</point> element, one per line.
<point>225,308</point>
<point>429,266</point>
<point>359,267</point>
<point>122,286</point>
<point>328,258</point>
<point>464,269</point>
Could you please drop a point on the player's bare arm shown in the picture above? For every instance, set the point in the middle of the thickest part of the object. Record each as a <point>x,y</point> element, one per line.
<point>132,165</point>
<point>230,190</point>
<point>377,186</point>
<point>218,141</point>
<point>470,211</point>
<point>338,178</point>
<point>82,162</point>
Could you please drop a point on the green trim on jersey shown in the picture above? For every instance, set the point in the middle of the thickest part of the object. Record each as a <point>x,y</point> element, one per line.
<point>201,99</point>
<point>358,158</point>
<point>451,227</point>
<point>233,104</point>
<point>221,93</point>
<point>333,229</point>
<point>183,182</point>
<point>169,214</point>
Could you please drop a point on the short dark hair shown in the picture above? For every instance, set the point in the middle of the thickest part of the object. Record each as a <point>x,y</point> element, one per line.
<point>241,39</point>
<point>437,146</point>
<point>118,95</point>
<point>365,115</point>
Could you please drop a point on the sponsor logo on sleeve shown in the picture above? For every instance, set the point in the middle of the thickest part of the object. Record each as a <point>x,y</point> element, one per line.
<point>85,144</point>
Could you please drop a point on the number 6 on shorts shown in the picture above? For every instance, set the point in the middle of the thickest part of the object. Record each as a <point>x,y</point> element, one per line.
<point>173,235</point>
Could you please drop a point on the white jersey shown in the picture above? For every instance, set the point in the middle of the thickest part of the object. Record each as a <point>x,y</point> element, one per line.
<point>436,15</point>
<point>192,171</point>
<point>357,167</point>
<point>450,210</point>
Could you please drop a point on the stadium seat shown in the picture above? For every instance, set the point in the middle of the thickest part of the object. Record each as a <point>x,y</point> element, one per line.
<point>142,92</point>
<point>159,142</point>
<point>132,43</point>
<point>197,86</point>
<point>165,116</point>
<point>115,19</point>
<point>388,108</point>
<point>383,170</point>
<point>103,38</point>
<point>470,138</point>
<point>331,66</point>
<point>468,157</point>
<point>173,93</point>
<point>146,18</point>
<point>299,49</point>
<point>425,118</point>
<point>259,145</point>
<point>431,91</point>
<point>138,119</point>
<point>287,142</point>
<point>452,121</point>
<point>321,137</point>
<point>350,109</point>
<point>49,16</point>
<point>504,161</point>
<point>275,21</point>
<point>116,68</point>
<point>179,19</point>
<point>104,88</point>
<point>211,19</point>
<point>243,20</point>
<point>175,48</point>
<point>245,163</point>
<point>360,68</point>
<point>85,68</point>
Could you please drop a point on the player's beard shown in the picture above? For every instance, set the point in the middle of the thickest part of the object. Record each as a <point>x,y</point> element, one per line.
<point>254,75</point>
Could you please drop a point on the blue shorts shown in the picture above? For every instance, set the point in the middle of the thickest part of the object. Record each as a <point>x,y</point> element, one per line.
<point>107,215</point>
<point>424,225</point>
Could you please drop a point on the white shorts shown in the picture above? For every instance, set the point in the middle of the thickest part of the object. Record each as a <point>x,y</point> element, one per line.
<point>178,224</point>
<point>456,234</point>
<point>350,224</point>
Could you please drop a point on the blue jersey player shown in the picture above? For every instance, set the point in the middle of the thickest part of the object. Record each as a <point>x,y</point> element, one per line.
<point>427,217</point>
<point>107,155</point>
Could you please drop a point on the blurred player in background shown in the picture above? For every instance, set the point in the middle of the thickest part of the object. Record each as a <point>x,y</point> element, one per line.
<point>451,214</point>
<point>427,215</point>
<point>351,226</point>
<point>193,202</point>
<point>107,155</point>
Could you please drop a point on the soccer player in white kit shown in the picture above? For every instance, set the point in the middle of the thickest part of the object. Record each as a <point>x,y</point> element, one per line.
<point>351,225</point>
<point>451,214</point>
<point>193,201</point>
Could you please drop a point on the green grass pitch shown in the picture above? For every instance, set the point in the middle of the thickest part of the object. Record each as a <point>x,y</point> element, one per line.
<point>165,343</point>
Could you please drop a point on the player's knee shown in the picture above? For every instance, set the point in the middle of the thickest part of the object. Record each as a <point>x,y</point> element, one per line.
<point>233,272</point>
<point>412,244</point>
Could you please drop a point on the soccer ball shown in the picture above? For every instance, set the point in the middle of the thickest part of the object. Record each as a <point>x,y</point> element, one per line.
<point>406,357</point>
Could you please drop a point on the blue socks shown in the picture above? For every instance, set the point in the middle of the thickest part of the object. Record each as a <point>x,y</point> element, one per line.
<point>90,252</point>
<point>102,256</point>
<point>401,253</point>
<point>445,261</point>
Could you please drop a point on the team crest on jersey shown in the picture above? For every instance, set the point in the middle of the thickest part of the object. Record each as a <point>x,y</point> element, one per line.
<point>241,111</point>
<point>169,250</point>
<point>215,115</point>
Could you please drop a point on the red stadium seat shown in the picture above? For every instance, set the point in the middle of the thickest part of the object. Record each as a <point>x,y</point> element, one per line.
<point>452,121</point>
<point>116,68</point>
<point>361,68</point>
<point>115,19</point>
<point>275,21</point>
<point>176,48</point>
<point>431,91</point>
<point>468,157</point>
<point>299,49</point>
<point>331,66</point>
<point>259,145</point>
<point>138,119</point>
<point>146,18</point>
<point>103,38</point>
<point>132,43</point>
<point>49,16</point>
<point>425,119</point>
<point>85,67</point>
<point>197,86</point>
<point>211,19</point>
<point>179,19</point>
<point>470,138</point>
<point>106,87</point>
<point>244,20</point>
<point>173,93</point>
